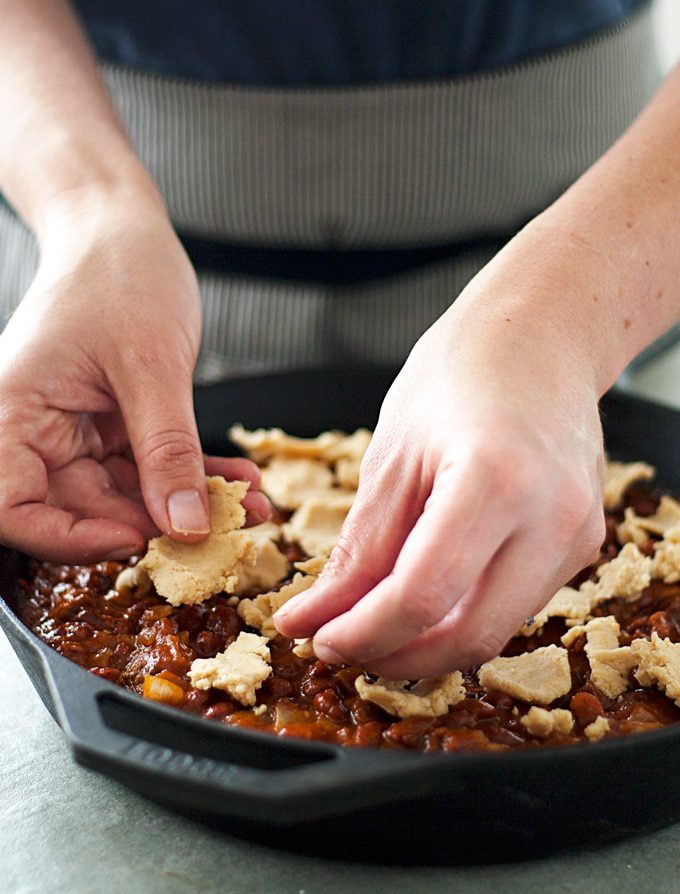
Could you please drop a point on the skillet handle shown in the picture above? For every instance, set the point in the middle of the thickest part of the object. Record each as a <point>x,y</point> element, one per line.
<point>184,761</point>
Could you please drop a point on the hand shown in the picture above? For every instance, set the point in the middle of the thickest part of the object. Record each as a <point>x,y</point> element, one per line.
<point>98,446</point>
<point>480,496</point>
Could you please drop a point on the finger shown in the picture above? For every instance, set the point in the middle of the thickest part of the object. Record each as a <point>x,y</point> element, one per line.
<point>29,524</point>
<point>157,405</point>
<point>385,509</point>
<point>233,468</point>
<point>53,534</point>
<point>257,506</point>
<point>521,579</point>
<point>86,489</point>
<point>448,549</point>
<point>125,476</point>
<point>237,468</point>
<point>112,432</point>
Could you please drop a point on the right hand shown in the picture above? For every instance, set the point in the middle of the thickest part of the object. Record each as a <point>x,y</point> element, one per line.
<point>98,444</point>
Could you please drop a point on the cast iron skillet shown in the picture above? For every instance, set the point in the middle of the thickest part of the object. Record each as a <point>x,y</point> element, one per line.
<point>363,803</point>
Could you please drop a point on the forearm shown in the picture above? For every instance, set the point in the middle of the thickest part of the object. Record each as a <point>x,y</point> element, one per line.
<point>60,133</point>
<point>598,273</point>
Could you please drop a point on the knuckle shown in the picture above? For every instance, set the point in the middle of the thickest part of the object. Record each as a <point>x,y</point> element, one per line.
<point>421,609</point>
<point>573,511</point>
<point>508,474</point>
<point>346,558</point>
<point>592,538</point>
<point>170,450</point>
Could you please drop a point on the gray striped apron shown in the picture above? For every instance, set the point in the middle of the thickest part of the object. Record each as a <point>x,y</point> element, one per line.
<point>459,164</point>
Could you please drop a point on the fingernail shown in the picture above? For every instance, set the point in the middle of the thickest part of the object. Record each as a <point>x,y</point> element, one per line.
<point>328,655</point>
<point>187,512</point>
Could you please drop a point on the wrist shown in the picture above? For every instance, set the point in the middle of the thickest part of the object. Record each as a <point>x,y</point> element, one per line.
<point>558,298</point>
<point>129,194</point>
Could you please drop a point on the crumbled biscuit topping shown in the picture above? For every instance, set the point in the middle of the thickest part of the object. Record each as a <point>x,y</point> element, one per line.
<point>427,698</point>
<point>239,671</point>
<point>288,482</point>
<point>542,722</point>
<point>566,603</point>
<point>636,528</point>
<point>316,525</point>
<point>666,558</point>
<point>540,676</point>
<point>610,665</point>
<point>259,612</point>
<point>659,662</point>
<point>189,573</point>
<point>224,497</point>
<point>267,565</point>
<point>262,443</point>
<point>304,648</point>
<point>192,572</point>
<point>618,477</point>
<point>626,575</point>
<point>597,729</point>
<point>314,565</point>
<point>610,669</point>
<point>341,453</point>
<point>347,455</point>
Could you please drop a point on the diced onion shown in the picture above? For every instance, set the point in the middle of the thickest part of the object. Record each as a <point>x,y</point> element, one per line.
<point>160,690</point>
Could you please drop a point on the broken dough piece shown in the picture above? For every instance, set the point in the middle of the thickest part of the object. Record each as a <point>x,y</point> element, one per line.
<point>636,528</point>
<point>658,662</point>
<point>610,665</point>
<point>316,525</point>
<point>566,603</point>
<point>347,455</point>
<point>597,729</point>
<point>267,566</point>
<point>259,612</point>
<point>618,477</point>
<point>289,482</point>
<point>427,698</point>
<point>187,573</point>
<point>610,669</point>
<point>666,559</point>
<point>626,575</point>
<point>262,443</point>
<point>304,648</point>
<point>539,676</point>
<point>224,497</point>
<point>239,671</point>
<point>542,722</point>
<point>315,565</point>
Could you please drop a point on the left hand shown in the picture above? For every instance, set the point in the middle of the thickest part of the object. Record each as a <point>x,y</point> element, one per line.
<point>480,493</point>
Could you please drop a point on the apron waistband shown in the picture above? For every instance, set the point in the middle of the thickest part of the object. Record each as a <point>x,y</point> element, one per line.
<point>387,166</point>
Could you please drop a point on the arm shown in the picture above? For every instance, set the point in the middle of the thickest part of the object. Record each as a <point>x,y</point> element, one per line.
<point>98,447</point>
<point>481,491</point>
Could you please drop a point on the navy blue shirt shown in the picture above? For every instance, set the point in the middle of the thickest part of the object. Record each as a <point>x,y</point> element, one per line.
<point>294,43</point>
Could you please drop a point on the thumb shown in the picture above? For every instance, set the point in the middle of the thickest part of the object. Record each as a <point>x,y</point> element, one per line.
<point>159,416</point>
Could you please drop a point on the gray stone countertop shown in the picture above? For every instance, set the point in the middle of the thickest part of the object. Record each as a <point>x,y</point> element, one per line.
<point>66,830</point>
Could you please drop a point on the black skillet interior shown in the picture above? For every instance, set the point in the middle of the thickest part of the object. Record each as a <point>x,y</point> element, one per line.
<point>361,803</point>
